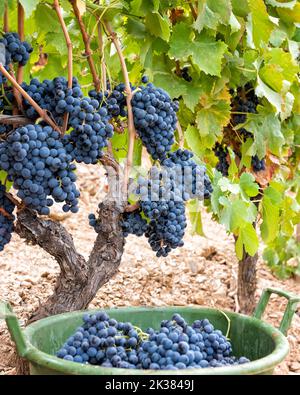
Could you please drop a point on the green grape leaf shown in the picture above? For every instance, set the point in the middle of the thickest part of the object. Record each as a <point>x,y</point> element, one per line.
<point>267,132</point>
<point>3,180</point>
<point>248,185</point>
<point>193,140</point>
<point>54,68</point>
<point>158,26</point>
<point>29,6</point>
<point>240,8</point>
<point>194,208</point>
<point>247,152</point>
<point>211,120</point>
<point>135,28</point>
<point>141,8</point>
<point>227,186</point>
<point>282,4</point>
<point>204,52</point>
<point>174,85</point>
<point>260,26</point>
<point>55,42</point>
<point>119,145</point>
<point>249,239</point>
<point>233,169</point>
<point>279,66</point>
<point>290,16</point>
<point>211,13</point>
<point>192,95</point>
<point>270,225</point>
<point>239,249</point>
<point>178,42</point>
<point>46,16</point>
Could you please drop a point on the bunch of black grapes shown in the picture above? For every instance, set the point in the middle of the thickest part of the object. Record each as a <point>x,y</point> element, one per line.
<point>164,207</point>
<point>6,218</point>
<point>189,178</point>
<point>243,103</point>
<point>176,345</point>
<point>53,96</point>
<point>114,101</point>
<point>41,170</point>
<point>155,119</point>
<point>90,131</point>
<point>221,153</point>
<point>184,73</point>
<point>258,164</point>
<point>16,51</point>
<point>131,222</point>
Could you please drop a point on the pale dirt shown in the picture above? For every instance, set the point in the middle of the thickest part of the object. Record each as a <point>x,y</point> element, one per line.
<point>202,273</point>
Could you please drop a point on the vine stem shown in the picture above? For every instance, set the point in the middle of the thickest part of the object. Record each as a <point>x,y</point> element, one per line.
<point>180,134</point>
<point>131,127</point>
<point>5,213</point>
<point>14,200</point>
<point>16,94</point>
<point>86,40</point>
<point>70,56</point>
<point>194,13</point>
<point>21,34</point>
<point>5,19</point>
<point>38,109</point>
<point>102,58</point>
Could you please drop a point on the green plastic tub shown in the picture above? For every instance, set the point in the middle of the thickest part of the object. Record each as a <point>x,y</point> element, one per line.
<point>264,345</point>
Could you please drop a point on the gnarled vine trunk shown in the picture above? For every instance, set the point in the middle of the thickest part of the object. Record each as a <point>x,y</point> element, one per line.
<point>247,283</point>
<point>79,280</point>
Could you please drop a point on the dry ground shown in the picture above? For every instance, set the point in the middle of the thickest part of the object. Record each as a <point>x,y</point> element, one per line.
<point>203,273</point>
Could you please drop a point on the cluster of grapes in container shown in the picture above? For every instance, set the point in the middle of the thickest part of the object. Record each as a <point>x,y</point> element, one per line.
<point>176,345</point>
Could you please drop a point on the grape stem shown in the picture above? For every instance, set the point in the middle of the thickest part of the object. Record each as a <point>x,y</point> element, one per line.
<point>132,207</point>
<point>16,94</point>
<point>180,134</point>
<point>14,120</point>
<point>86,40</point>
<point>5,214</point>
<point>70,56</point>
<point>194,13</point>
<point>43,114</point>
<point>14,200</point>
<point>102,58</point>
<point>21,34</point>
<point>5,19</point>
<point>131,127</point>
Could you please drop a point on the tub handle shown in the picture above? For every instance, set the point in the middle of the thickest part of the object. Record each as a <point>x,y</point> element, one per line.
<point>14,328</point>
<point>293,301</point>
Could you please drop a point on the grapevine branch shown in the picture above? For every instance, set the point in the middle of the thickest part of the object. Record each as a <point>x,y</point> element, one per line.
<point>14,120</point>
<point>13,200</point>
<point>43,114</point>
<point>5,213</point>
<point>70,55</point>
<point>21,34</point>
<point>180,134</point>
<point>102,59</point>
<point>5,19</point>
<point>194,13</point>
<point>16,93</point>
<point>86,40</point>
<point>131,127</point>
<point>79,279</point>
